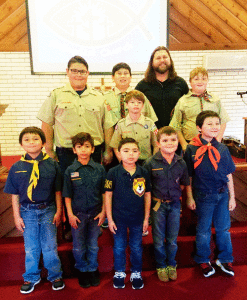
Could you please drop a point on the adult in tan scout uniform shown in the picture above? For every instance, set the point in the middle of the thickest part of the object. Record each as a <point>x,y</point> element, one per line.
<point>76,108</point>
<point>121,75</point>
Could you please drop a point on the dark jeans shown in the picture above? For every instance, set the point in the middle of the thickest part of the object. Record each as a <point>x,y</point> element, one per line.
<point>213,208</point>
<point>165,227</point>
<point>85,243</point>
<point>120,244</point>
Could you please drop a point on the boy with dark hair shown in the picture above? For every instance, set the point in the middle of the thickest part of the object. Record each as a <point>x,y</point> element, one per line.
<point>136,126</point>
<point>115,98</point>
<point>210,167</point>
<point>127,198</point>
<point>83,191</point>
<point>35,185</point>
<point>169,175</point>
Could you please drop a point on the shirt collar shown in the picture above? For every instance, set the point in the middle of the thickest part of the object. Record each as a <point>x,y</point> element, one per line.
<point>158,156</point>
<point>77,165</point>
<point>141,120</point>
<point>213,142</point>
<point>88,90</point>
<point>39,157</point>
<point>123,171</point>
<point>118,92</point>
<point>188,95</point>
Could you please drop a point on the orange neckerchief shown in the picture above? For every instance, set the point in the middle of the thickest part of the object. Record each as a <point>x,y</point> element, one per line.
<point>200,152</point>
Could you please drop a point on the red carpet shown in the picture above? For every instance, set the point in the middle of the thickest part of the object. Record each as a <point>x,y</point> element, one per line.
<point>190,285</point>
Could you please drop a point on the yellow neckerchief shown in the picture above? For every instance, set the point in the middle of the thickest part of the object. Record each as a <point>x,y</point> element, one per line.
<point>33,181</point>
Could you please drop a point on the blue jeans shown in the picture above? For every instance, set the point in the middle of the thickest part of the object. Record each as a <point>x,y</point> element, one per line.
<point>85,243</point>
<point>165,227</point>
<point>40,235</point>
<point>120,245</point>
<point>213,208</point>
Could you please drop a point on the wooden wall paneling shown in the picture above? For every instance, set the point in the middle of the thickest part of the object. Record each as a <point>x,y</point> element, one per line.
<point>242,3</point>
<point>9,7</point>
<point>227,17</point>
<point>198,21</point>
<point>17,33</point>
<point>235,9</point>
<point>180,34</point>
<point>188,27</point>
<point>215,21</point>
<point>12,21</point>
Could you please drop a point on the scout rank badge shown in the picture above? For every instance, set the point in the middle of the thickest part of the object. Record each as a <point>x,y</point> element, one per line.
<point>139,186</point>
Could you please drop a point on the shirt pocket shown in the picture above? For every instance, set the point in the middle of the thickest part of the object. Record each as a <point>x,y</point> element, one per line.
<point>191,109</point>
<point>65,112</point>
<point>47,179</point>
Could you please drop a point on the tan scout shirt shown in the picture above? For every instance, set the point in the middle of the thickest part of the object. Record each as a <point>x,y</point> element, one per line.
<point>70,114</point>
<point>143,131</point>
<point>113,99</point>
<point>187,109</point>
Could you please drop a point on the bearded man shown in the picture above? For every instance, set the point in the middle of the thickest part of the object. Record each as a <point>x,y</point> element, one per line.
<point>162,86</point>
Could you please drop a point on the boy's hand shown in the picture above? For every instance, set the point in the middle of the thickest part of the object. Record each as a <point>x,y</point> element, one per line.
<point>232,204</point>
<point>145,226</point>
<point>19,224</point>
<point>101,217</point>
<point>191,203</point>
<point>112,226</point>
<point>107,157</point>
<point>57,219</point>
<point>73,220</point>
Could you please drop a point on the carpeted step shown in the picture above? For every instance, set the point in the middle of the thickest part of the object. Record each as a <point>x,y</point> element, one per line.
<point>12,253</point>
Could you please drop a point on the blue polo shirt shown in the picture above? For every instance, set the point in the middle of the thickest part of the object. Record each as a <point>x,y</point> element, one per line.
<point>128,194</point>
<point>84,184</point>
<point>205,177</point>
<point>50,180</point>
<point>166,178</point>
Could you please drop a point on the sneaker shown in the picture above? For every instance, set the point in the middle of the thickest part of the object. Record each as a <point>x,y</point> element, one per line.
<point>58,284</point>
<point>172,272</point>
<point>94,278</point>
<point>162,274</point>
<point>207,269</point>
<point>28,287</point>
<point>145,233</point>
<point>118,280</point>
<point>83,279</point>
<point>225,267</point>
<point>137,281</point>
<point>105,224</point>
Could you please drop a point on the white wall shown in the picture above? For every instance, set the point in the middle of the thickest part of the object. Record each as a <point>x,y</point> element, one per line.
<point>25,92</point>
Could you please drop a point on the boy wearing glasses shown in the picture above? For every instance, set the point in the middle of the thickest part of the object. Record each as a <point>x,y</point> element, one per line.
<point>74,108</point>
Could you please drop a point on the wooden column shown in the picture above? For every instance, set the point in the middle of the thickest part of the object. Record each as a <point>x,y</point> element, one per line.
<point>245,136</point>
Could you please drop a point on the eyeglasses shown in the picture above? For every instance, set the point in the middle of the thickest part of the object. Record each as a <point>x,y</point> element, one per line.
<point>75,71</point>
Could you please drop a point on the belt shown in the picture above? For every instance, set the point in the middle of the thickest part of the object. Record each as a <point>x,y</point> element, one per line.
<point>35,206</point>
<point>159,201</point>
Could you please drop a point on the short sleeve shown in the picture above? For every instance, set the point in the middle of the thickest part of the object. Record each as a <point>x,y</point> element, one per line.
<point>47,111</point>
<point>116,137</point>
<point>109,181</point>
<point>11,187</point>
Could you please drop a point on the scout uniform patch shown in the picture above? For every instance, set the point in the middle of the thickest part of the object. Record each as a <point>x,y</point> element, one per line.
<point>139,186</point>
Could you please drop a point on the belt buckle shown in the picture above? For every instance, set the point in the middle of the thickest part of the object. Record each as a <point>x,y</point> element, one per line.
<point>41,206</point>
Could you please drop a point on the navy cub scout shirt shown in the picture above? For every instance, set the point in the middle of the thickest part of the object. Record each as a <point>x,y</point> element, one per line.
<point>205,177</point>
<point>84,184</point>
<point>166,178</point>
<point>50,180</point>
<point>128,194</point>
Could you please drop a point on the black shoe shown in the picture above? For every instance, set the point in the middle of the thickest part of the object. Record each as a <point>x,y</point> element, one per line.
<point>58,284</point>
<point>83,279</point>
<point>28,287</point>
<point>207,269</point>
<point>225,267</point>
<point>94,278</point>
<point>137,281</point>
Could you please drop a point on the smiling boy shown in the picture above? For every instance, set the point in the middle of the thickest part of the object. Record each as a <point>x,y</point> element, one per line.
<point>127,198</point>
<point>191,104</point>
<point>136,126</point>
<point>210,168</point>
<point>169,175</point>
<point>35,184</point>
